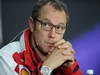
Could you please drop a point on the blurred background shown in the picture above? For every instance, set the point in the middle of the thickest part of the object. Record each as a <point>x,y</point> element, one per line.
<point>84,23</point>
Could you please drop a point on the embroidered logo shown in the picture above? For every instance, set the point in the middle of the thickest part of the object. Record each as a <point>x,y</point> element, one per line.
<point>24,70</point>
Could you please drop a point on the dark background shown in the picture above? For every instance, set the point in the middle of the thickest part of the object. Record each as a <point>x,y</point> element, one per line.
<point>85,16</point>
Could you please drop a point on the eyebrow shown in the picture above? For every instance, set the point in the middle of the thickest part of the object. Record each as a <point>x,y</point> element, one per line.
<point>62,24</point>
<point>45,19</point>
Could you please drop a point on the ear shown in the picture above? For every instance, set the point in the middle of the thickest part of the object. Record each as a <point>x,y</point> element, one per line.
<point>30,23</point>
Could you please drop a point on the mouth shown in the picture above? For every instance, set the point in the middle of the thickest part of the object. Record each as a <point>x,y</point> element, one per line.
<point>50,44</point>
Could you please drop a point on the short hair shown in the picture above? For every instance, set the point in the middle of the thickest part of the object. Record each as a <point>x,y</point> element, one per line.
<point>57,4</point>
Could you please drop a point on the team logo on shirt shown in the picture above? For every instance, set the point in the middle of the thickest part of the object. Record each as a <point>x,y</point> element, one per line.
<point>24,70</point>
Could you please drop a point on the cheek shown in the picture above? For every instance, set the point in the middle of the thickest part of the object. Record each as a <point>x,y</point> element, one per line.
<point>59,37</point>
<point>41,38</point>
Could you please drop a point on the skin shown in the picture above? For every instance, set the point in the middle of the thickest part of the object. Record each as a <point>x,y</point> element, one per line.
<point>52,44</point>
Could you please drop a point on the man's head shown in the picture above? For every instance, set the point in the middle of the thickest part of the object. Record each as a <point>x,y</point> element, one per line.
<point>56,4</point>
<point>48,23</point>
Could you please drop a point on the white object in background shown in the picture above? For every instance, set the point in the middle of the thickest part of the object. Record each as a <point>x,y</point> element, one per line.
<point>90,72</point>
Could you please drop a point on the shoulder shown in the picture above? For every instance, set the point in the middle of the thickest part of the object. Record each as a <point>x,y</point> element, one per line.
<point>6,53</point>
<point>10,48</point>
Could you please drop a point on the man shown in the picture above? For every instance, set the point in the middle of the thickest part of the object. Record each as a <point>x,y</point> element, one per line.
<point>41,49</point>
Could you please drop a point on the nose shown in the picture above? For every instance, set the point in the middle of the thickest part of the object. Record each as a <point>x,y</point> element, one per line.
<point>52,33</point>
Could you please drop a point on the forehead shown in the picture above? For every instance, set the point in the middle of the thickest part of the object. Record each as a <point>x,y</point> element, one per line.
<point>52,14</point>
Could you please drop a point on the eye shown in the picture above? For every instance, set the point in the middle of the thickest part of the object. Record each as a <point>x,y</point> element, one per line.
<point>60,27</point>
<point>45,24</point>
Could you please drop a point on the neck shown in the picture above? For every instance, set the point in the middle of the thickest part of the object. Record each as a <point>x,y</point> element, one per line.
<point>33,43</point>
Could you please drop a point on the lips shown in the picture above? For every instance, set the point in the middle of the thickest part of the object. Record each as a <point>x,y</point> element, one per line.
<point>51,46</point>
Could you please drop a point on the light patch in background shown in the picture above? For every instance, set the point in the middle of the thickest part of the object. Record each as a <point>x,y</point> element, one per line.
<point>87,48</point>
<point>0,24</point>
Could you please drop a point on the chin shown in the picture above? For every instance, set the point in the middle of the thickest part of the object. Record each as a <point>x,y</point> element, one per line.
<point>44,51</point>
